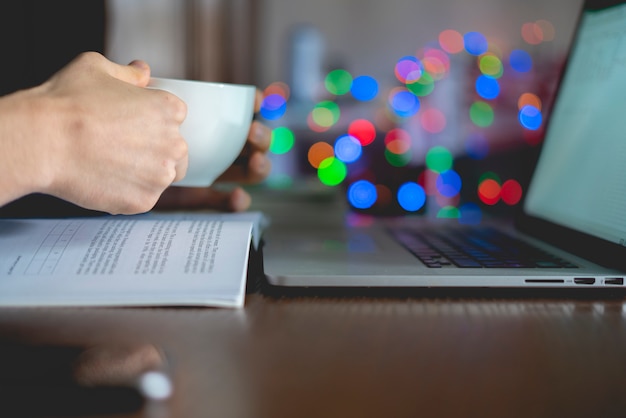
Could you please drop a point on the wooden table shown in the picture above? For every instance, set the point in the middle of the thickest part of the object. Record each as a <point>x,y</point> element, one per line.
<point>362,355</point>
<point>368,353</point>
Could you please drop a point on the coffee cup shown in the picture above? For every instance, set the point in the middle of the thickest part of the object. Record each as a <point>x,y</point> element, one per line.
<point>216,127</point>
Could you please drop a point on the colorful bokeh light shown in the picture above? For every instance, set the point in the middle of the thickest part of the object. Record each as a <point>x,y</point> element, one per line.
<point>411,196</point>
<point>470,214</point>
<point>490,65</point>
<point>475,43</point>
<point>481,114</point>
<point>423,86</point>
<point>547,29</point>
<point>398,141</point>
<point>433,120</point>
<point>520,61</point>
<point>273,107</point>
<point>417,121</point>
<point>477,146</point>
<point>511,192</point>
<point>439,159</point>
<point>363,130</point>
<point>404,103</point>
<point>532,33</point>
<point>397,159</point>
<point>278,87</point>
<point>318,152</point>
<point>338,82</point>
<point>489,191</point>
<point>530,117</point>
<point>282,140</point>
<point>487,87</point>
<point>451,41</point>
<point>362,194</point>
<point>449,183</point>
<point>364,88</point>
<point>408,70</point>
<point>348,149</point>
<point>448,212</point>
<point>436,63</point>
<point>490,175</point>
<point>326,113</point>
<point>529,99</point>
<point>332,171</point>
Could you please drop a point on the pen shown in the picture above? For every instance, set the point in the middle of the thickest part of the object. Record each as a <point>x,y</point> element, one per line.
<point>40,381</point>
<point>24,399</point>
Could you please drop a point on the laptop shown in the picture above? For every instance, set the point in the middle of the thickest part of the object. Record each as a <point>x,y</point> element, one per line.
<point>572,222</point>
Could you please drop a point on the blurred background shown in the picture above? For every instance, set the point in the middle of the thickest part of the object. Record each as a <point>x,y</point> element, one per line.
<point>400,106</point>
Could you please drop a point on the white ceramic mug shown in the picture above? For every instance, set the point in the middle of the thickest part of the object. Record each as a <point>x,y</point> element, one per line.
<point>216,127</point>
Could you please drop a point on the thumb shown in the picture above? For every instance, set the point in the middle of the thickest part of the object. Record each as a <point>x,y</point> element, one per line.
<point>137,73</point>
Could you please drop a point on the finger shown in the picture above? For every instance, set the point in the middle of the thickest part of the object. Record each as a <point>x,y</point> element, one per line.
<point>258,100</point>
<point>259,137</point>
<point>235,200</point>
<point>115,364</point>
<point>255,169</point>
<point>181,168</point>
<point>136,73</point>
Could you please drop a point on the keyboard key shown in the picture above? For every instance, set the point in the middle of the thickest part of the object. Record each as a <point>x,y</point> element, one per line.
<point>475,248</point>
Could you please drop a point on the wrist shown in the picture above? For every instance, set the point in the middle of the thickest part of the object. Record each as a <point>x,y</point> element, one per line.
<point>26,160</point>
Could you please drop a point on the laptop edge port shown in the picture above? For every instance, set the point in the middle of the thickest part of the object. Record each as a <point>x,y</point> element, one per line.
<point>616,281</point>
<point>584,280</point>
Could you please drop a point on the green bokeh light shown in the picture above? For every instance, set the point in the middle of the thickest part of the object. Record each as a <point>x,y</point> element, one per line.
<point>490,175</point>
<point>282,140</point>
<point>491,65</point>
<point>439,159</point>
<point>332,171</point>
<point>481,114</point>
<point>423,86</point>
<point>326,113</point>
<point>338,82</point>
<point>448,212</point>
<point>397,160</point>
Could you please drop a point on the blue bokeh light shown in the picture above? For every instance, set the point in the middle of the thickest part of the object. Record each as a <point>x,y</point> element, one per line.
<point>487,87</point>
<point>530,117</point>
<point>470,214</point>
<point>405,104</point>
<point>364,88</point>
<point>362,194</point>
<point>477,146</point>
<point>449,183</point>
<point>520,61</point>
<point>475,43</point>
<point>411,196</point>
<point>273,107</point>
<point>348,149</point>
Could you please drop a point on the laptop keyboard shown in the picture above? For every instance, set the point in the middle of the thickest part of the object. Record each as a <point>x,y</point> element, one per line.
<point>475,248</point>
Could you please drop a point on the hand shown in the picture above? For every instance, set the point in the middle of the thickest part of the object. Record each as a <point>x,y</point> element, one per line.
<point>104,379</point>
<point>252,167</point>
<point>93,135</point>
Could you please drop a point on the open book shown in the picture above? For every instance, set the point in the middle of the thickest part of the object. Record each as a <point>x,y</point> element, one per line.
<point>156,259</point>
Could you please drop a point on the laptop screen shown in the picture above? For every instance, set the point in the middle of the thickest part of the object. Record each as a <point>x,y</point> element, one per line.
<point>580,181</point>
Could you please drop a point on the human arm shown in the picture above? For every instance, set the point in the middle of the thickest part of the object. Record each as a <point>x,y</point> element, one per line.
<point>94,136</point>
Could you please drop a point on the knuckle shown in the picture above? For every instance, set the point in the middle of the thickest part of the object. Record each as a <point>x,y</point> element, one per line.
<point>89,58</point>
<point>180,149</point>
<point>173,106</point>
<point>180,113</point>
<point>140,205</point>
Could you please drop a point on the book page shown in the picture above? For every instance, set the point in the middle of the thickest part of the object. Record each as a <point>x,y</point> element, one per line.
<point>125,260</point>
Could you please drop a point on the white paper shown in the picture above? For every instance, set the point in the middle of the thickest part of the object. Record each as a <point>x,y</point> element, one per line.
<point>124,261</point>
<point>258,219</point>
